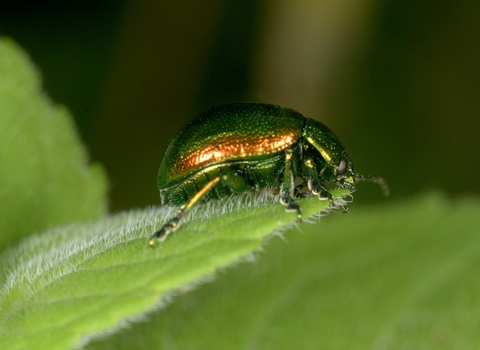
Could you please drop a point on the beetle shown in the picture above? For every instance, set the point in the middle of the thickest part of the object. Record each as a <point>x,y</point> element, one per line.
<point>242,147</point>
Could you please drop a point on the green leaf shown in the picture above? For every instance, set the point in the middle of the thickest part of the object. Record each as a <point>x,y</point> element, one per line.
<point>45,179</point>
<point>401,276</point>
<point>62,287</point>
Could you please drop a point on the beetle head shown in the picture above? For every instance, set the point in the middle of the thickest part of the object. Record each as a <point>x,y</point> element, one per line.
<point>337,166</point>
<point>345,175</point>
<point>333,161</point>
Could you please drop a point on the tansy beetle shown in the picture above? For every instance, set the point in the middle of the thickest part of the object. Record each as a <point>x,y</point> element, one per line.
<point>241,147</point>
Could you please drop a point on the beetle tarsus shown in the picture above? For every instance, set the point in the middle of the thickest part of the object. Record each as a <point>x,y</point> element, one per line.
<point>291,205</point>
<point>295,207</point>
<point>325,195</point>
<point>166,229</point>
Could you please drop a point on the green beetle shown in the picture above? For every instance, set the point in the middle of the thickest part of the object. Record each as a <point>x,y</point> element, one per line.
<point>241,147</point>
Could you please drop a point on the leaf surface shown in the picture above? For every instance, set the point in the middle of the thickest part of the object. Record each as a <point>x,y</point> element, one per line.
<point>70,283</point>
<point>401,275</point>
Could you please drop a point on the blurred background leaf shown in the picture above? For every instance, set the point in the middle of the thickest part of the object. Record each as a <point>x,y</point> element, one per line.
<point>45,178</point>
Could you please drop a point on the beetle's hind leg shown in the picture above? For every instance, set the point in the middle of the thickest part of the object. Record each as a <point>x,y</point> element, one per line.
<point>175,222</point>
<point>166,229</point>
<point>288,187</point>
<point>228,178</point>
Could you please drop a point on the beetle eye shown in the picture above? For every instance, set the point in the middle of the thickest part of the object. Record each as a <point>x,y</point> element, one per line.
<point>342,166</point>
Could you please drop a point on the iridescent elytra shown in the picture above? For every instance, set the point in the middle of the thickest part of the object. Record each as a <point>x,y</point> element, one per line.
<point>242,147</point>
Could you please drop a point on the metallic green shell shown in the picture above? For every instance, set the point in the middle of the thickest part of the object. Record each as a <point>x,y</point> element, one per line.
<point>229,133</point>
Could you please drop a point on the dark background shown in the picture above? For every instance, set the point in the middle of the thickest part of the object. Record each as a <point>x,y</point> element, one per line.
<point>398,81</point>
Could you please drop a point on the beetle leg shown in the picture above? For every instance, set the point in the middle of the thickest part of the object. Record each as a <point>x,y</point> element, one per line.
<point>311,171</point>
<point>310,186</point>
<point>288,188</point>
<point>324,194</point>
<point>314,184</point>
<point>174,223</point>
<point>235,181</point>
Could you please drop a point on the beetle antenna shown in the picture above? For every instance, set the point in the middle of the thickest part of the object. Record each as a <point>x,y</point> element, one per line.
<point>377,179</point>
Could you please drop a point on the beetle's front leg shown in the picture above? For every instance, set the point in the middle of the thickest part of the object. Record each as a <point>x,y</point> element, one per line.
<point>314,184</point>
<point>288,186</point>
<point>320,190</point>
